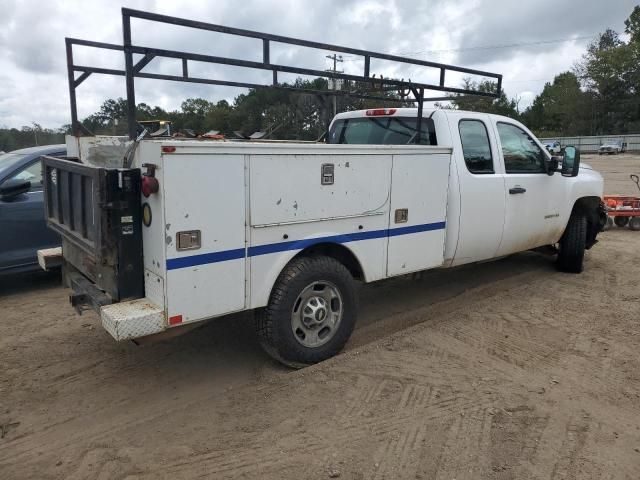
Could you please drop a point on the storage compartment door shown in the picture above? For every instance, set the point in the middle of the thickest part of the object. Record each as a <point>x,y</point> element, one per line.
<point>204,195</point>
<point>417,219</point>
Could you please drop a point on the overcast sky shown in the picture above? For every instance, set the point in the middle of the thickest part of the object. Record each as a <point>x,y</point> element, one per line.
<point>549,37</point>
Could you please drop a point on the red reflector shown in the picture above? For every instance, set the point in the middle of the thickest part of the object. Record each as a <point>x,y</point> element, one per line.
<point>168,149</point>
<point>149,185</point>
<point>378,112</point>
<point>175,319</point>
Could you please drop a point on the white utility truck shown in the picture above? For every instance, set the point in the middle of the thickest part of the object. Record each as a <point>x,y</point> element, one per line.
<point>287,229</point>
<point>175,232</point>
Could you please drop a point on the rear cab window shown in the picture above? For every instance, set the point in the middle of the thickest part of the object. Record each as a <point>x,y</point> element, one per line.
<point>381,131</point>
<point>476,147</point>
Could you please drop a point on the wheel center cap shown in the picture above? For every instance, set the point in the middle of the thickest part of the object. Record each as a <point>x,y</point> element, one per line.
<point>321,314</point>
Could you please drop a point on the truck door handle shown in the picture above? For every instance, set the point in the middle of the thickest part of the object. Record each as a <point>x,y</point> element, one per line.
<point>515,190</point>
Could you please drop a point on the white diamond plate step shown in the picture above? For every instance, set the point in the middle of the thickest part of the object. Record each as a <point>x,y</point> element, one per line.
<point>133,319</point>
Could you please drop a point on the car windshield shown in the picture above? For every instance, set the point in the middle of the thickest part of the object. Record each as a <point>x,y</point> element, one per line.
<point>381,131</point>
<point>9,160</point>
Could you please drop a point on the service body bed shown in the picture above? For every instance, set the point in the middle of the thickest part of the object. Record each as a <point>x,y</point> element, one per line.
<point>249,208</point>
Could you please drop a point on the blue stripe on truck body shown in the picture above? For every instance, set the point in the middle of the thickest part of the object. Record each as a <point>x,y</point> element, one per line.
<point>223,256</point>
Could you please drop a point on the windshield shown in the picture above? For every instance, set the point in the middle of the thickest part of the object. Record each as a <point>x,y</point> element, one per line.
<point>381,131</point>
<point>9,160</point>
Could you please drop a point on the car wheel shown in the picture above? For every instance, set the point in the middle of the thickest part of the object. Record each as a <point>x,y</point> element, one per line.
<point>572,244</point>
<point>634,223</point>
<point>311,313</point>
<point>621,221</point>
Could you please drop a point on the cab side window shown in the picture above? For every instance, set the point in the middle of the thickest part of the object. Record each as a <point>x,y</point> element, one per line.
<point>475,146</point>
<point>521,153</point>
<point>32,173</point>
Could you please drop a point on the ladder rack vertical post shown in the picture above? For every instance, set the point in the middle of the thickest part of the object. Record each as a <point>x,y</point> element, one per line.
<point>420,99</point>
<point>72,88</point>
<point>128,69</point>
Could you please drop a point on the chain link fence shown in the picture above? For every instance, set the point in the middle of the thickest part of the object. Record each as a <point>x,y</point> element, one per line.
<point>591,144</point>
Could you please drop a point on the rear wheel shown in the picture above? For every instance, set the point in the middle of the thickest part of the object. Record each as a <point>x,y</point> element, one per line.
<point>572,244</point>
<point>634,223</point>
<point>311,313</point>
<point>621,221</point>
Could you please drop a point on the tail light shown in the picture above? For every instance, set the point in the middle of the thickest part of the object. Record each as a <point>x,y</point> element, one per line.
<point>380,112</point>
<point>149,181</point>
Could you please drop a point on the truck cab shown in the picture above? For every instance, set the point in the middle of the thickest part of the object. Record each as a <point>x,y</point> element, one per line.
<point>504,196</point>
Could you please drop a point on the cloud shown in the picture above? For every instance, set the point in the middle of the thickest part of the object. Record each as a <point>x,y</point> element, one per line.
<point>33,82</point>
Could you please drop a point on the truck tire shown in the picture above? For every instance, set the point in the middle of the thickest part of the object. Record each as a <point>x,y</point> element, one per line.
<point>634,223</point>
<point>621,221</point>
<point>572,244</point>
<point>311,312</point>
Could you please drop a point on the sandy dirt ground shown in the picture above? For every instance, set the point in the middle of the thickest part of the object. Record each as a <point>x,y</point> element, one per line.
<point>505,370</point>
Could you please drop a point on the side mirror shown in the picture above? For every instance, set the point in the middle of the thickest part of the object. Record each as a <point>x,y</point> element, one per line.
<point>14,187</point>
<point>570,162</point>
<point>551,165</point>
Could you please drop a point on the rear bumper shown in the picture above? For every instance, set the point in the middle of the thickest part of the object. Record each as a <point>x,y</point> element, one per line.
<point>125,320</point>
<point>85,293</point>
<point>133,319</point>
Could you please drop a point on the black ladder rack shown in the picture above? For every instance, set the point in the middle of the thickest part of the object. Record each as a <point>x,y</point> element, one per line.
<point>133,70</point>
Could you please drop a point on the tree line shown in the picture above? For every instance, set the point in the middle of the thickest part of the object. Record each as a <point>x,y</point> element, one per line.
<point>598,96</point>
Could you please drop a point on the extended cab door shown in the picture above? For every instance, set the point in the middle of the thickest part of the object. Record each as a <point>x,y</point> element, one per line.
<point>481,187</point>
<point>533,198</point>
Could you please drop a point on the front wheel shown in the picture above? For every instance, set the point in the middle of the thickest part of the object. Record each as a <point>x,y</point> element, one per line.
<point>634,223</point>
<point>311,312</point>
<point>573,244</point>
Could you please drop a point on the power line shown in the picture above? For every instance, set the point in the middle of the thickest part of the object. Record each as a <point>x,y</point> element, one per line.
<point>491,47</point>
<point>507,45</point>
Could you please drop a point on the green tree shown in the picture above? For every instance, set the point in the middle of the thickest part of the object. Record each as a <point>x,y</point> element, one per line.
<point>610,73</point>
<point>632,25</point>
<point>561,109</point>
<point>501,105</point>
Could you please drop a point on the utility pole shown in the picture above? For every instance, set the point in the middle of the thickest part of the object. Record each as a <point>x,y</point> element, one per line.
<point>333,85</point>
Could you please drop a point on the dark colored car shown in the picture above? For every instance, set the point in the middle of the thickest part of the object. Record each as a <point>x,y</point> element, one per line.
<point>23,230</point>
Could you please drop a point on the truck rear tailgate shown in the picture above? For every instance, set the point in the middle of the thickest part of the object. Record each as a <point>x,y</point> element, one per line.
<point>98,214</point>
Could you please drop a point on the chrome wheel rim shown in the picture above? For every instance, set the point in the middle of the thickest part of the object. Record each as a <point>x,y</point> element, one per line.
<point>316,314</point>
